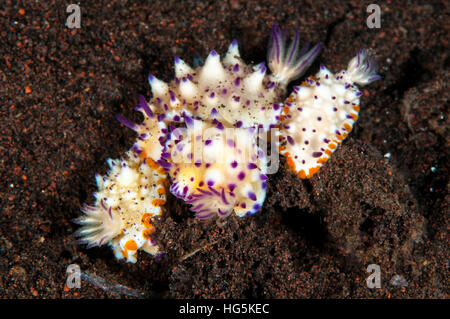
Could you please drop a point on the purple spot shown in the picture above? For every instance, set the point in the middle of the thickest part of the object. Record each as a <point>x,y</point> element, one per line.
<point>290,140</point>
<point>210,183</point>
<point>317,154</point>
<point>252,166</point>
<point>241,176</point>
<point>319,118</point>
<point>252,196</point>
<point>234,164</point>
<point>172,96</point>
<point>231,186</point>
<point>256,207</point>
<point>237,82</point>
<point>236,68</point>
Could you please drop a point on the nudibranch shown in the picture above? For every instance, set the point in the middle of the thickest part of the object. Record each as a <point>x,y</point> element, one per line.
<point>201,135</point>
<point>320,113</point>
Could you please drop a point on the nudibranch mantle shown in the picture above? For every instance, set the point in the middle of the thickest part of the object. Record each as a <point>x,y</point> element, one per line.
<point>201,134</point>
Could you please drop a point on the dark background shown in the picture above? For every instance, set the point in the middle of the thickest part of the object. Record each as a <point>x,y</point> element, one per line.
<point>382,198</point>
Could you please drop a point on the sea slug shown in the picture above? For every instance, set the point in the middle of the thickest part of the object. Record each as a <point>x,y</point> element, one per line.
<point>201,135</point>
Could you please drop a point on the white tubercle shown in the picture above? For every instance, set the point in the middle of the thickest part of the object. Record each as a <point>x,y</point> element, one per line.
<point>213,69</point>
<point>188,89</point>
<point>232,56</point>
<point>159,88</point>
<point>182,69</point>
<point>254,81</point>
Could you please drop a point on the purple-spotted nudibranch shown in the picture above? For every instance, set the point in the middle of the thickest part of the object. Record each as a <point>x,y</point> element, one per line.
<point>199,139</point>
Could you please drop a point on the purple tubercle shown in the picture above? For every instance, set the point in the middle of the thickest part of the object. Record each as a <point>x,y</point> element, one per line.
<point>127,122</point>
<point>213,53</point>
<point>236,68</point>
<point>144,105</point>
<point>252,196</point>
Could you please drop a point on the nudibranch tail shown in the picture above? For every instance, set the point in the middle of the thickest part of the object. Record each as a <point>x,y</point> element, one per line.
<point>289,64</point>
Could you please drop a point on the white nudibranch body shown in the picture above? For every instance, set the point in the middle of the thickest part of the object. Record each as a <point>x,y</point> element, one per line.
<point>201,133</point>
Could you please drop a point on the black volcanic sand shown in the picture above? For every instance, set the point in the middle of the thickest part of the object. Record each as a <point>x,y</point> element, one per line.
<point>381,199</point>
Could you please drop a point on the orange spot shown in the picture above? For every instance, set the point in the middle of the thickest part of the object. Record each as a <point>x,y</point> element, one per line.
<point>158,202</point>
<point>328,152</point>
<point>21,12</point>
<point>152,163</point>
<point>322,160</point>
<point>143,155</point>
<point>332,146</point>
<point>131,245</point>
<point>162,181</point>
<point>125,253</point>
<point>146,233</point>
<point>161,171</point>
<point>302,174</point>
<point>286,110</point>
<point>356,108</point>
<point>354,116</point>
<point>313,170</point>
<point>347,127</point>
<point>340,137</point>
<point>27,90</point>
<point>290,163</point>
<point>146,220</point>
<point>161,191</point>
